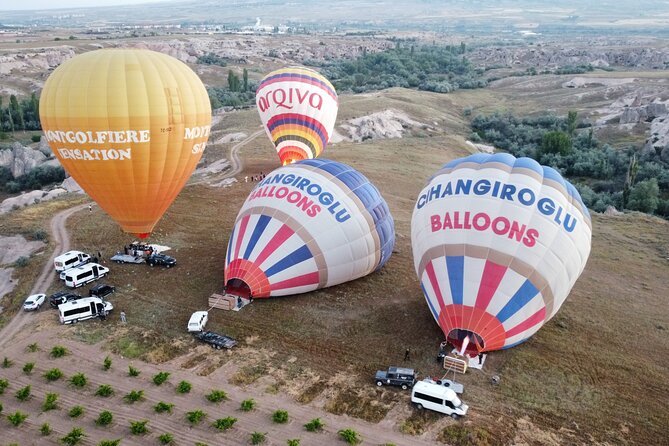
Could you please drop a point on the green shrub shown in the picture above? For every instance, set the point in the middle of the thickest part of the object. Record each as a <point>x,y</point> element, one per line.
<point>166,438</point>
<point>76,412</point>
<point>53,375</point>
<point>45,429</point>
<point>21,262</point>
<point>105,418</point>
<point>133,371</point>
<point>28,367</point>
<point>7,363</point>
<point>163,407</point>
<point>104,390</point>
<point>195,416</point>
<point>3,385</point>
<point>280,416</point>
<point>315,425</point>
<point>58,351</point>
<point>199,443</point>
<point>17,418</point>
<point>110,442</point>
<point>107,363</point>
<point>257,437</point>
<point>134,396</point>
<point>248,405</point>
<point>50,402</point>
<point>223,424</point>
<point>160,378</point>
<point>293,442</point>
<point>73,437</point>
<point>79,380</point>
<point>216,396</point>
<point>23,393</point>
<point>138,427</point>
<point>33,347</point>
<point>349,436</point>
<point>184,387</point>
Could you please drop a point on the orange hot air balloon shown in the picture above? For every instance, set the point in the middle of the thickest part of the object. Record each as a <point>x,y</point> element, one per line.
<point>129,125</point>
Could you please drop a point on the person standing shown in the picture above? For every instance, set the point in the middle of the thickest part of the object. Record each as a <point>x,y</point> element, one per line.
<point>407,355</point>
<point>123,319</point>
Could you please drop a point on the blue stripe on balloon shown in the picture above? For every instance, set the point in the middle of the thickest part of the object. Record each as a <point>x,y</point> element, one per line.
<point>523,295</point>
<point>432,309</point>
<point>456,269</point>
<point>529,163</point>
<point>515,343</point>
<point>232,237</point>
<point>300,122</point>
<point>263,221</point>
<point>298,256</point>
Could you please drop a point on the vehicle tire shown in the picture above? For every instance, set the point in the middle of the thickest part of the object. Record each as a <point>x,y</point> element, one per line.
<point>151,264</point>
<point>404,387</point>
<point>218,347</point>
<point>419,406</point>
<point>454,416</point>
<point>167,266</point>
<point>379,383</point>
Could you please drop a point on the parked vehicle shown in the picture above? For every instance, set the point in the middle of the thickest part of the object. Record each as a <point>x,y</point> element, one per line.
<point>217,341</point>
<point>197,321</point>
<point>438,398</point>
<point>161,259</point>
<point>396,376</point>
<point>60,297</point>
<point>127,258</point>
<point>87,273</point>
<point>101,290</point>
<point>82,309</point>
<point>71,259</point>
<point>33,302</point>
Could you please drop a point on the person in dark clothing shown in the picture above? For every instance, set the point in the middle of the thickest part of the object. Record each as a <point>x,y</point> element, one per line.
<point>407,355</point>
<point>480,358</point>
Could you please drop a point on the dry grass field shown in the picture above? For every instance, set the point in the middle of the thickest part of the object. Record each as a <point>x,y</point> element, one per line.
<point>597,373</point>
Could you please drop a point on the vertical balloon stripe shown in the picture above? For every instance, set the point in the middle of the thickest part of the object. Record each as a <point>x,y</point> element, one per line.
<point>536,318</point>
<point>456,267</point>
<point>232,237</point>
<point>275,243</point>
<point>429,269</point>
<point>298,256</point>
<point>492,276</point>
<point>294,282</point>
<point>242,233</point>
<point>258,230</point>
<point>524,294</point>
<point>434,312</point>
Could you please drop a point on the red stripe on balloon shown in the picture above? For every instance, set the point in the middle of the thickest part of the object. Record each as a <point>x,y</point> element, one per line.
<point>492,276</point>
<point>303,280</point>
<point>240,234</point>
<point>429,269</point>
<point>277,240</point>
<point>528,323</point>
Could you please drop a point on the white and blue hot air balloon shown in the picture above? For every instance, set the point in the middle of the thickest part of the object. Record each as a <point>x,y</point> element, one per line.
<point>498,244</point>
<point>308,225</point>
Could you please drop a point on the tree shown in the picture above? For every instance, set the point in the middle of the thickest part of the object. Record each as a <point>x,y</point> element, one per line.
<point>571,122</point>
<point>556,142</point>
<point>233,81</point>
<point>245,76</point>
<point>16,113</point>
<point>644,196</point>
<point>630,179</point>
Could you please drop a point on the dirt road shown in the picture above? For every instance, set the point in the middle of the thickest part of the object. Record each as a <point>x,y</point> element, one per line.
<point>61,238</point>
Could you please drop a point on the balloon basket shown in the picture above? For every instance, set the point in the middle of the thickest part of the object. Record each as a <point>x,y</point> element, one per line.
<point>228,302</point>
<point>456,363</point>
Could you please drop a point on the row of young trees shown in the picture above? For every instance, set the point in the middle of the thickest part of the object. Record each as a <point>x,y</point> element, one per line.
<point>624,178</point>
<point>239,92</point>
<point>20,115</point>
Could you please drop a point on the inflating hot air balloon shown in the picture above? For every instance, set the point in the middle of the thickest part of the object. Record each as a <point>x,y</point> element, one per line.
<point>129,125</point>
<point>498,243</point>
<point>309,225</point>
<point>298,108</point>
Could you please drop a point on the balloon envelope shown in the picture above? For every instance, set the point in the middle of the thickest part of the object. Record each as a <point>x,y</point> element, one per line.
<point>309,225</point>
<point>298,108</point>
<point>129,125</point>
<point>498,243</point>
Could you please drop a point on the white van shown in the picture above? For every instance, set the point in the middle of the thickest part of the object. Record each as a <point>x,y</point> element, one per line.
<point>81,309</point>
<point>70,259</point>
<point>197,321</point>
<point>438,398</point>
<point>81,275</point>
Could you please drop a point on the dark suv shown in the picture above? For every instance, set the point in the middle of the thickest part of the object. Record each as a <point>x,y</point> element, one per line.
<point>396,376</point>
<point>61,297</point>
<point>101,290</point>
<point>161,259</point>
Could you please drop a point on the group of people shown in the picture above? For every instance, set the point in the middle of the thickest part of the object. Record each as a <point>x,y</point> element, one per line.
<point>255,178</point>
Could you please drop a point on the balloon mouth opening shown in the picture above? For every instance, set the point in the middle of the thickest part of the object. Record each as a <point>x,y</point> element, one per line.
<point>466,342</point>
<point>143,235</point>
<point>238,287</point>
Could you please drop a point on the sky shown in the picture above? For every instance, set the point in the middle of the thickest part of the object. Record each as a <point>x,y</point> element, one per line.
<point>9,5</point>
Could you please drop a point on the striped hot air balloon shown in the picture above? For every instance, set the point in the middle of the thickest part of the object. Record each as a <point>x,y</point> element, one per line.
<point>298,108</point>
<point>498,243</point>
<point>309,225</point>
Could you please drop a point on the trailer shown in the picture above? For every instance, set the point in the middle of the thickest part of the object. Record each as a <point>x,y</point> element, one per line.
<point>119,257</point>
